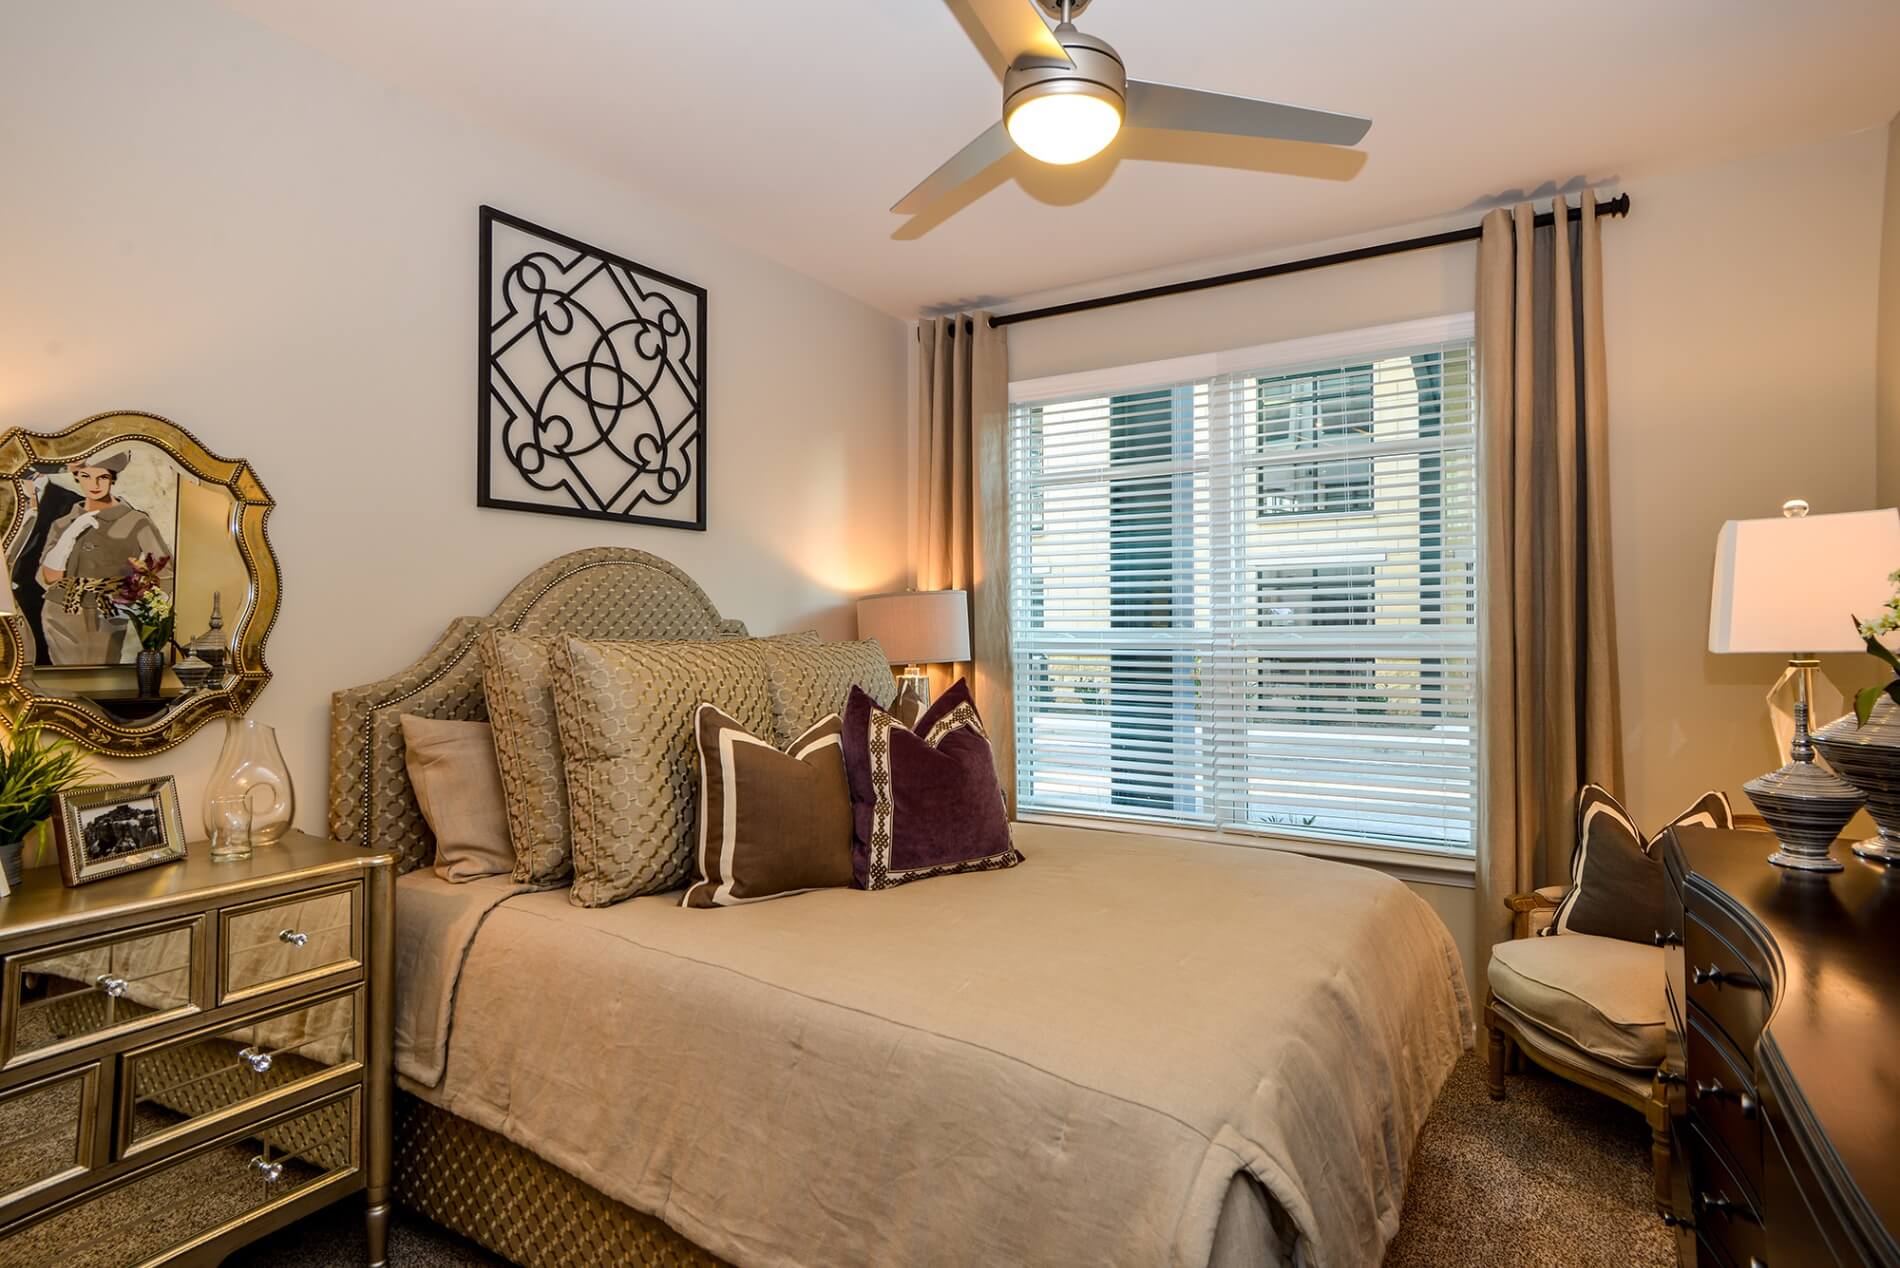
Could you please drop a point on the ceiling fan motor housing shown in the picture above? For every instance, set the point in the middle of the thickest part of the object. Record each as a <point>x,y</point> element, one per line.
<point>1097,71</point>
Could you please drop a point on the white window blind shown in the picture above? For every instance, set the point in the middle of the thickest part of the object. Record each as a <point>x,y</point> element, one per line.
<point>1243,590</point>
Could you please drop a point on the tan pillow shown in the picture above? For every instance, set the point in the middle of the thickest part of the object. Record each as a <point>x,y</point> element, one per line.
<point>626,718</point>
<point>518,679</point>
<point>771,823</point>
<point>458,785</point>
<point>519,684</point>
<point>811,680</point>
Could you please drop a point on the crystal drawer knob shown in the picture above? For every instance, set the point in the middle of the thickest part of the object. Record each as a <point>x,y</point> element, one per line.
<point>259,1062</point>
<point>113,986</point>
<point>272,1172</point>
<point>293,937</point>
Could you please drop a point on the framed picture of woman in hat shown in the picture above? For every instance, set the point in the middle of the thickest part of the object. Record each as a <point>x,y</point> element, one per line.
<point>127,508</point>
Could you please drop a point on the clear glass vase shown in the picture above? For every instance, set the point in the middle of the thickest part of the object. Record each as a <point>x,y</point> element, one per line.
<point>252,767</point>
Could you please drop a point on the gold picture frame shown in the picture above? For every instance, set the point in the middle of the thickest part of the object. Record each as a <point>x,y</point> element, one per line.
<point>30,697</point>
<point>102,830</point>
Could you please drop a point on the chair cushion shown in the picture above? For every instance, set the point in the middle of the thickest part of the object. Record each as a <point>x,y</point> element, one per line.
<point>1602,995</point>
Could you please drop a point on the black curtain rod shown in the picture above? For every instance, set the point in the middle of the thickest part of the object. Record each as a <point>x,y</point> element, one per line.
<point>1618,206</point>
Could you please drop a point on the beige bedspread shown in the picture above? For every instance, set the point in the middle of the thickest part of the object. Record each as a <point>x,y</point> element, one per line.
<point>1064,1063</point>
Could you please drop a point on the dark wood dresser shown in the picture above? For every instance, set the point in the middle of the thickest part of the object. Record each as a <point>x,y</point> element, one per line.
<point>1784,1052</point>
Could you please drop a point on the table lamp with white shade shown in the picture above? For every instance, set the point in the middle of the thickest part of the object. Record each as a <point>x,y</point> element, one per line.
<point>1792,586</point>
<point>917,628</point>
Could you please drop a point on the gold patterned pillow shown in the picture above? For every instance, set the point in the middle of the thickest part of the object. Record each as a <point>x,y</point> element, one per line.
<point>626,720</point>
<point>811,680</point>
<point>518,680</point>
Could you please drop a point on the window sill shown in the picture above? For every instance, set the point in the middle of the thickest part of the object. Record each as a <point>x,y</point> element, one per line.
<point>1421,866</point>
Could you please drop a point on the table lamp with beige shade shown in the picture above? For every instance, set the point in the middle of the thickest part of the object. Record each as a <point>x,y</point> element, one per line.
<point>1792,586</point>
<point>917,628</point>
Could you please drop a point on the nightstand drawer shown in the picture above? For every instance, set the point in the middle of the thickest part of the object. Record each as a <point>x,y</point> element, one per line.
<point>73,993</point>
<point>45,1133</point>
<point>168,1209</point>
<point>283,941</point>
<point>168,1088</point>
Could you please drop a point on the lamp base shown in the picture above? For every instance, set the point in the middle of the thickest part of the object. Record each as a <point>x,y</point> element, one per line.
<point>1806,807</point>
<point>913,696</point>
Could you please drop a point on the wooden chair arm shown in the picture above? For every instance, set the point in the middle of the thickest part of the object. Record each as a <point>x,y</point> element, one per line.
<point>1752,823</point>
<point>1522,905</point>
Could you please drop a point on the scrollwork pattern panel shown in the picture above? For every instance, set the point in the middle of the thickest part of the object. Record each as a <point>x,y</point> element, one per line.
<point>593,381</point>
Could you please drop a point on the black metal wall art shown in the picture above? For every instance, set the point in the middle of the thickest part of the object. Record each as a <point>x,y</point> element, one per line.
<point>593,381</point>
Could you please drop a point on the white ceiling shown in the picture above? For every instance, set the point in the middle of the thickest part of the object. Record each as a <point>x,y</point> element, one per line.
<point>791,126</point>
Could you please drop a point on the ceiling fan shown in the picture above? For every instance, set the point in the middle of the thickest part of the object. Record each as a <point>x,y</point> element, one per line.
<point>1066,95</point>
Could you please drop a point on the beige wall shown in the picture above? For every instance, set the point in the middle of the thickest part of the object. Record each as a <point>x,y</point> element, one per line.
<point>1740,305</point>
<point>208,221</point>
<point>1740,312</point>
<point>1889,346</point>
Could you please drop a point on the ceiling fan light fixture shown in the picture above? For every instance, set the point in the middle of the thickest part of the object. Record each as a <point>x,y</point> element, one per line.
<point>1067,95</point>
<point>1064,127</point>
<point>1063,112</point>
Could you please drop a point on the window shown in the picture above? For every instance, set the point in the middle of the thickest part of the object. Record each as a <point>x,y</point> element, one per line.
<point>1243,590</point>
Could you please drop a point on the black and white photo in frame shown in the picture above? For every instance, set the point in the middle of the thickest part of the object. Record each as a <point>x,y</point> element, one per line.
<point>104,829</point>
<point>593,381</point>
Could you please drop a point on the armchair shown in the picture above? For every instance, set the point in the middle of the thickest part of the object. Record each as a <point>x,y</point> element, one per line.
<point>1592,1010</point>
<point>1588,1009</point>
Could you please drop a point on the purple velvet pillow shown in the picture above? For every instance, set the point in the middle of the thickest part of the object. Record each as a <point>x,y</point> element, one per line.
<point>924,802</point>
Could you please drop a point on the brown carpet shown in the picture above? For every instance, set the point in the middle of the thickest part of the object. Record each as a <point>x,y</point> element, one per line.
<point>1554,1176</point>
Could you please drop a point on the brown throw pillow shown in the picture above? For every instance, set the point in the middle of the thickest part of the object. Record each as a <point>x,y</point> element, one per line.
<point>458,785</point>
<point>771,823</point>
<point>813,680</point>
<point>626,716</point>
<point>1617,882</point>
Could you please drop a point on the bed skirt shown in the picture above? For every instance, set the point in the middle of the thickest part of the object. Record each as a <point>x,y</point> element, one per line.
<point>516,1204</point>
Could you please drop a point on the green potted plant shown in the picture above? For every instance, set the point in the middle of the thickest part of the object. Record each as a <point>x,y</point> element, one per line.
<point>32,772</point>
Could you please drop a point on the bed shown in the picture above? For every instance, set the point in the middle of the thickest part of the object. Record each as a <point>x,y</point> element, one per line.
<point>1127,1050</point>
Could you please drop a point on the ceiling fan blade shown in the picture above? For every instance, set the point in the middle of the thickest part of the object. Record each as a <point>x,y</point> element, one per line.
<point>1175,109</point>
<point>992,146</point>
<point>1014,30</point>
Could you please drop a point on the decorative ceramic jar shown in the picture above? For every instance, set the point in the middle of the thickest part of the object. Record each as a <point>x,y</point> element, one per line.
<point>210,646</point>
<point>1868,757</point>
<point>251,767</point>
<point>191,673</point>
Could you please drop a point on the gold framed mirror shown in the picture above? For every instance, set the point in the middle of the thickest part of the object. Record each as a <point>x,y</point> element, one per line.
<point>118,504</point>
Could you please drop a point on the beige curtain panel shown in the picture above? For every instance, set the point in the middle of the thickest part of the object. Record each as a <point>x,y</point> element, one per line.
<point>1550,720</point>
<point>963,529</point>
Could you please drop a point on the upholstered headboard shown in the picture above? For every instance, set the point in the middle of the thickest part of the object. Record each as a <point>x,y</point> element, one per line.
<point>607,592</point>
